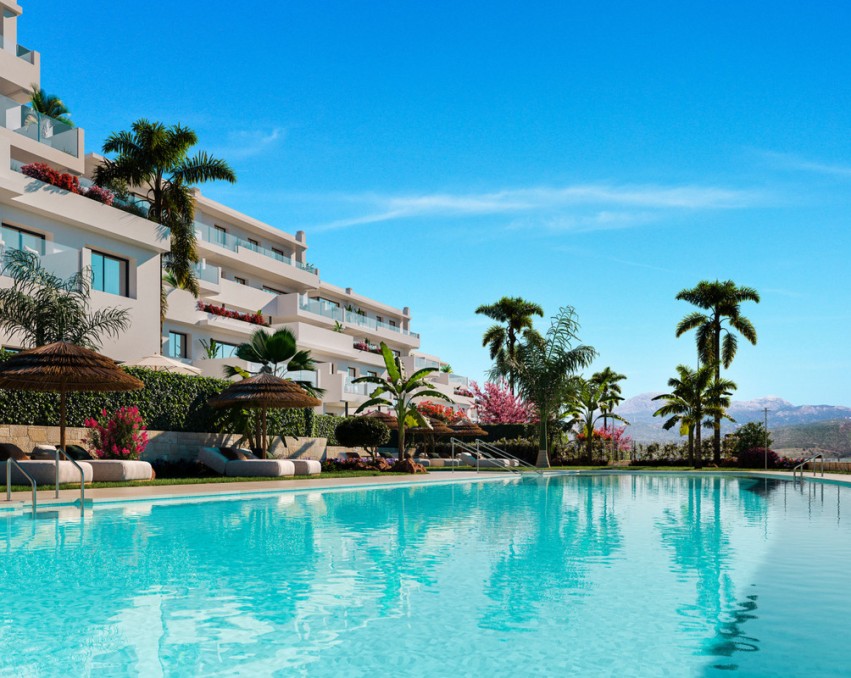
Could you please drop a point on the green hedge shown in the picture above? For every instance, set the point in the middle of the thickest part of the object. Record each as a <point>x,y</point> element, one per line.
<point>169,402</point>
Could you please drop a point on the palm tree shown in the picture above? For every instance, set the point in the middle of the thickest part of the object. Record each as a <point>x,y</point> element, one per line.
<point>722,303</point>
<point>544,367</point>
<point>277,354</point>
<point>695,396</point>
<point>155,159</point>
<point>611,396</point>
<point>516,315</point>
<point>587,404</point>
<point>45,108</point>
<point>41,307</point>
<point>400,393</point>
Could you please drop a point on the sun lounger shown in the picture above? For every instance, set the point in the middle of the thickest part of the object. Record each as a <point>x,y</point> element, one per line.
<point>251,467</point>
<point>469,460</point>
<point>43,471</point>
<point>120,470</point>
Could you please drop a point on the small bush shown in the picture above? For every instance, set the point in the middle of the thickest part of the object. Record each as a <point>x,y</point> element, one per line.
<point>755,458</point>
<point>365,432</point>
<point>99,194</point>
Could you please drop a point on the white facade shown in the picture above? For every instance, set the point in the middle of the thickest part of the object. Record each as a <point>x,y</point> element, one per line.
<point>247,267</point>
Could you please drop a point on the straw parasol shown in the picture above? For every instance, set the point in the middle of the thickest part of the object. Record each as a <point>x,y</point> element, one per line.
<point>263,392</point>
<point>467,429</point>
<point>64,368</point>
<point>385,418</point>
<point>161,363</point>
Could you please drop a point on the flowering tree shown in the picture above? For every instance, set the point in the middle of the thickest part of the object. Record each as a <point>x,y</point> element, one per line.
<point>611,437</point>
<point>121,435</point>
<point>496,404</point>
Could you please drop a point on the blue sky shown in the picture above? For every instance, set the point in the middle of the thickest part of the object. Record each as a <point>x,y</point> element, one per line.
<point>603,155</point>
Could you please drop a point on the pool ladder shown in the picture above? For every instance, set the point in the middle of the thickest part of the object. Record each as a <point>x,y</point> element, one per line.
<point>483,450</point>
<point>802,466</point>
<point>14,462</point>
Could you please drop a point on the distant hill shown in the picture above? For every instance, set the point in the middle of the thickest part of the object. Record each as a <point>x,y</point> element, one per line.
<point>803,426</point>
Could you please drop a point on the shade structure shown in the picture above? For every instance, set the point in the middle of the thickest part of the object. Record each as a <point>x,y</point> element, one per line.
<point>264,392</point>
<point>467,429</point>
<point>63,367</point>
<point>161,363</point>
<point>385,418</point>
<point>438,428</point>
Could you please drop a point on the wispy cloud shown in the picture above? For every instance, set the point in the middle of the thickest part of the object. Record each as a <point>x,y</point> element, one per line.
<point>793,162</point>
<point>244,144</point>
<point>590,206</point>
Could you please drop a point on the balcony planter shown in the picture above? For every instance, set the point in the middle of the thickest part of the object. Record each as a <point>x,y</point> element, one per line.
<point>67,182</point>
<point>221,311</point>
<point>364,346</point>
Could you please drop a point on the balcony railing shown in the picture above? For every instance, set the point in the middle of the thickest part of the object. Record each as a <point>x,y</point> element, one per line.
<point>57,259</point>
<point>457,381</point>
<point>28,122</point>
<point>333,311</point>
<point>422,363</point>
<point>231,242</point>
<point>207,273</point>
<point>357,389</point>
<point>20,51</point>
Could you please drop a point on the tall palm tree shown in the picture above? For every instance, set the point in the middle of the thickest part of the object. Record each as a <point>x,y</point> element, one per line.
<point>46,108</point>
<point>589,403</point>
<point>41,308</point>
<point>515,314</point>
<point>544,368</point>
<point>721,302</point>
<point>612,395</point>
<point>155,160</point>
<point>695,398</point>
<point>400,393</point>
<point>276,353</point>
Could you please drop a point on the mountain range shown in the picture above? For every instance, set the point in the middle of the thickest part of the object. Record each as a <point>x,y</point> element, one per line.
<point>801,425</point>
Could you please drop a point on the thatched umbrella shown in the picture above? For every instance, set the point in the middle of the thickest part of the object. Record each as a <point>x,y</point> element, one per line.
<point>161,363</point>
<point>467,429</point>
<point>64,368</point>
<point>438,429</point>
<point>264,391</point>
<point>385,418</point>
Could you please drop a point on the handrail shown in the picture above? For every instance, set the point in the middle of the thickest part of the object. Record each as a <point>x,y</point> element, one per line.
<point>9,462</point>
<point>82,477</point>
<point>496,450</point>
<point>807,461</point>
<point>494,453</point>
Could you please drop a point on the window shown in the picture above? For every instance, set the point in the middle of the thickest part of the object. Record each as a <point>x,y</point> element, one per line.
<point>225,350</point>
<point>220,235</point>
<point>379,319</point>
<point>392,323</point>
<point>279,254</point>
<point>371,373</point>
<point>272,290</point>
<point>19,239</point>
<point>253,244</point>
<point>177,345</point>
<point>109,274</point>
<point>239,281</point>
<point>353,372</point>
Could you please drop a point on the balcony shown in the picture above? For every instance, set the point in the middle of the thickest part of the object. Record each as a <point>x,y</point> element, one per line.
<point>24,120</point>
<point>234,244</point>
<point>56,259</point>
<point>20,51</point>
<point>356,322</point>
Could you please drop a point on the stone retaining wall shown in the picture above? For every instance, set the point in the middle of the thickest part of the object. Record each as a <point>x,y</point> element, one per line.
<point>170,445</point>
<point>838,466</point>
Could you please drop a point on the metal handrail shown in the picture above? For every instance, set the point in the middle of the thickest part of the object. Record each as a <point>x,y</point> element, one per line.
<point>82,476</point>
<point>487,454</point>
<point>493,449</point>
<point>9,462</point>
<point>807,461</point>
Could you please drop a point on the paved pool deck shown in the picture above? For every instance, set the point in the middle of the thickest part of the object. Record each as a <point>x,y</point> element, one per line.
<point>70,497</point>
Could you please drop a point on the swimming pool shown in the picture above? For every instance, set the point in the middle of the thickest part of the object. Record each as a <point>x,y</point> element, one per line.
<point>627,575</point>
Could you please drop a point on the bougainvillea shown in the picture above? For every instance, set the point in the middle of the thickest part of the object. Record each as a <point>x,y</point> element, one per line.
<point>99,194</point>
<point>255,318</point>
<point>67,182</point>
<point>121,435</point>
<point>496,404</point>
<point>611,437</point>
<point>366,346</point>
<point>443,413</point>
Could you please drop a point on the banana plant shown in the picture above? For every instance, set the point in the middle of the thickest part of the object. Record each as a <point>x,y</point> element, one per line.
<point>399,392</point>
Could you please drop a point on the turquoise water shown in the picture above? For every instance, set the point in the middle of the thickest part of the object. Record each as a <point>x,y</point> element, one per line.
<point>623,575</point>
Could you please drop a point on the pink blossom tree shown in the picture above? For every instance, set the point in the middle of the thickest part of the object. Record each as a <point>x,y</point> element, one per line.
<point>496,404</point>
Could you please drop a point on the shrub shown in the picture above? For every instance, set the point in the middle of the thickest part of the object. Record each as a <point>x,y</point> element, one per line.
<point>755,458</point>
<point>120,435</point>
<point>255,318</point>
<point>99,194</point>
<point>365,432</point>
<point>41,172</point>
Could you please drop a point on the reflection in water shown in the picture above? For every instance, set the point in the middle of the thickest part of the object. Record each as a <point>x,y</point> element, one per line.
<point>471,578</point>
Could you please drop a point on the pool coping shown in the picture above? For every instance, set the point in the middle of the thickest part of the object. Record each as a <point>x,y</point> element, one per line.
<point>163,494</point>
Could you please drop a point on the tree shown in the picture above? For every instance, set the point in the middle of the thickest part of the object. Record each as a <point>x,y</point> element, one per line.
<point>751,436</point>
<point>585,406</point>
<point>276,353</point>
<point>496,404</point>
<point>155,159</point>
<point>612,395</point>
<point>45,109</point>
<point>516,315</point>
<point>366,432</point>
<point>41,308</point>
<point>544,368</point>
<point>695,396</point>
<point>722,303</point>
<point>400,393</point>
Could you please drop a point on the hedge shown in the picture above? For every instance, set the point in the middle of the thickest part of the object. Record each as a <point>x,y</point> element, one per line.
<point>169,402</point>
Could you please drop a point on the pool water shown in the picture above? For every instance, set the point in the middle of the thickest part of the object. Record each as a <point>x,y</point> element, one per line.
<point>621,575</point>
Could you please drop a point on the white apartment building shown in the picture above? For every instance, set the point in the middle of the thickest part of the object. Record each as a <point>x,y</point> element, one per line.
<point>251,274</point>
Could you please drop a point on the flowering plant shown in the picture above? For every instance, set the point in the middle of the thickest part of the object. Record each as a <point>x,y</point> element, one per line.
<point>496,404</point>
<point>121,435</point>
<point>255,318</point>
<point>465,392</point>
<point>100,194</point>
<point>442,413</point>
<point>366,346</point>
<point>67,182</point>
<point>610,436</point>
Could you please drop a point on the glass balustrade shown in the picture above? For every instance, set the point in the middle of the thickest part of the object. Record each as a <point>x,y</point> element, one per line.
<point>210,274</point>
<point>58,260</point>
<point>357,389</point>
<point>233,243</point>
<point>328,310</point>
<point>26,121</point>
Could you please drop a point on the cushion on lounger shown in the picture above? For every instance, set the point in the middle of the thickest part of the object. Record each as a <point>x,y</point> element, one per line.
<point>118,470</point>
<point>78,452</point>
<point>306,467</point>
<point>10,450</point>
<point>43,452</point>
<point>260,468</point>
<point>43,471</point>
<point>212,458</point>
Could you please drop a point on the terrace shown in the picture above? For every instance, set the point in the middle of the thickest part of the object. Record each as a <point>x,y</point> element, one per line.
<point>26,121</point>
<point>235,244</point>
